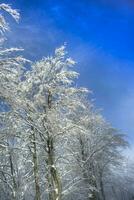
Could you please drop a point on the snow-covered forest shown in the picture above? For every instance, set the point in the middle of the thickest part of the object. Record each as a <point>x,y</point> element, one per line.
<point>54,143</point>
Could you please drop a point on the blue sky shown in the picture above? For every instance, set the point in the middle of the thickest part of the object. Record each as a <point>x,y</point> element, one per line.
<point>99,34</point>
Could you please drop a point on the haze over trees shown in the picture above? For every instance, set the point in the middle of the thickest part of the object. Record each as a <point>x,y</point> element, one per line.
<point>54,144</point>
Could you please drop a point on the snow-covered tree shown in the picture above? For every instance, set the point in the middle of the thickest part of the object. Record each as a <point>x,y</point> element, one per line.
<point>99,153</point>
<point>10,74</point>
<point>53,143</point>
<point>49,98</point>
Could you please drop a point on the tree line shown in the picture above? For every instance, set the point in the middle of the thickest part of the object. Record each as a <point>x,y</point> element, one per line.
<point>54,143</point>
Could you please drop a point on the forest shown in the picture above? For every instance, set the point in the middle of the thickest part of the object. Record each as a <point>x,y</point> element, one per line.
<point>54,143</point>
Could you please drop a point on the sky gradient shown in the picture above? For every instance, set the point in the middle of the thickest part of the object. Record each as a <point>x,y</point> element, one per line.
<point>99,34</point>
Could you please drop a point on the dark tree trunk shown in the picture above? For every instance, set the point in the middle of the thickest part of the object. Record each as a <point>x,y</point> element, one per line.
<point>36,170</point>
<point>53,176</point>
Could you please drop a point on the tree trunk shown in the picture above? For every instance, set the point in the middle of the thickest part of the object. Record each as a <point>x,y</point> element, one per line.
<point>85,174</point>
<point>13,176</point>
<point>53,176</point>
<point>102,189</point>
<point>36,171</point>
<point>54,182</point>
